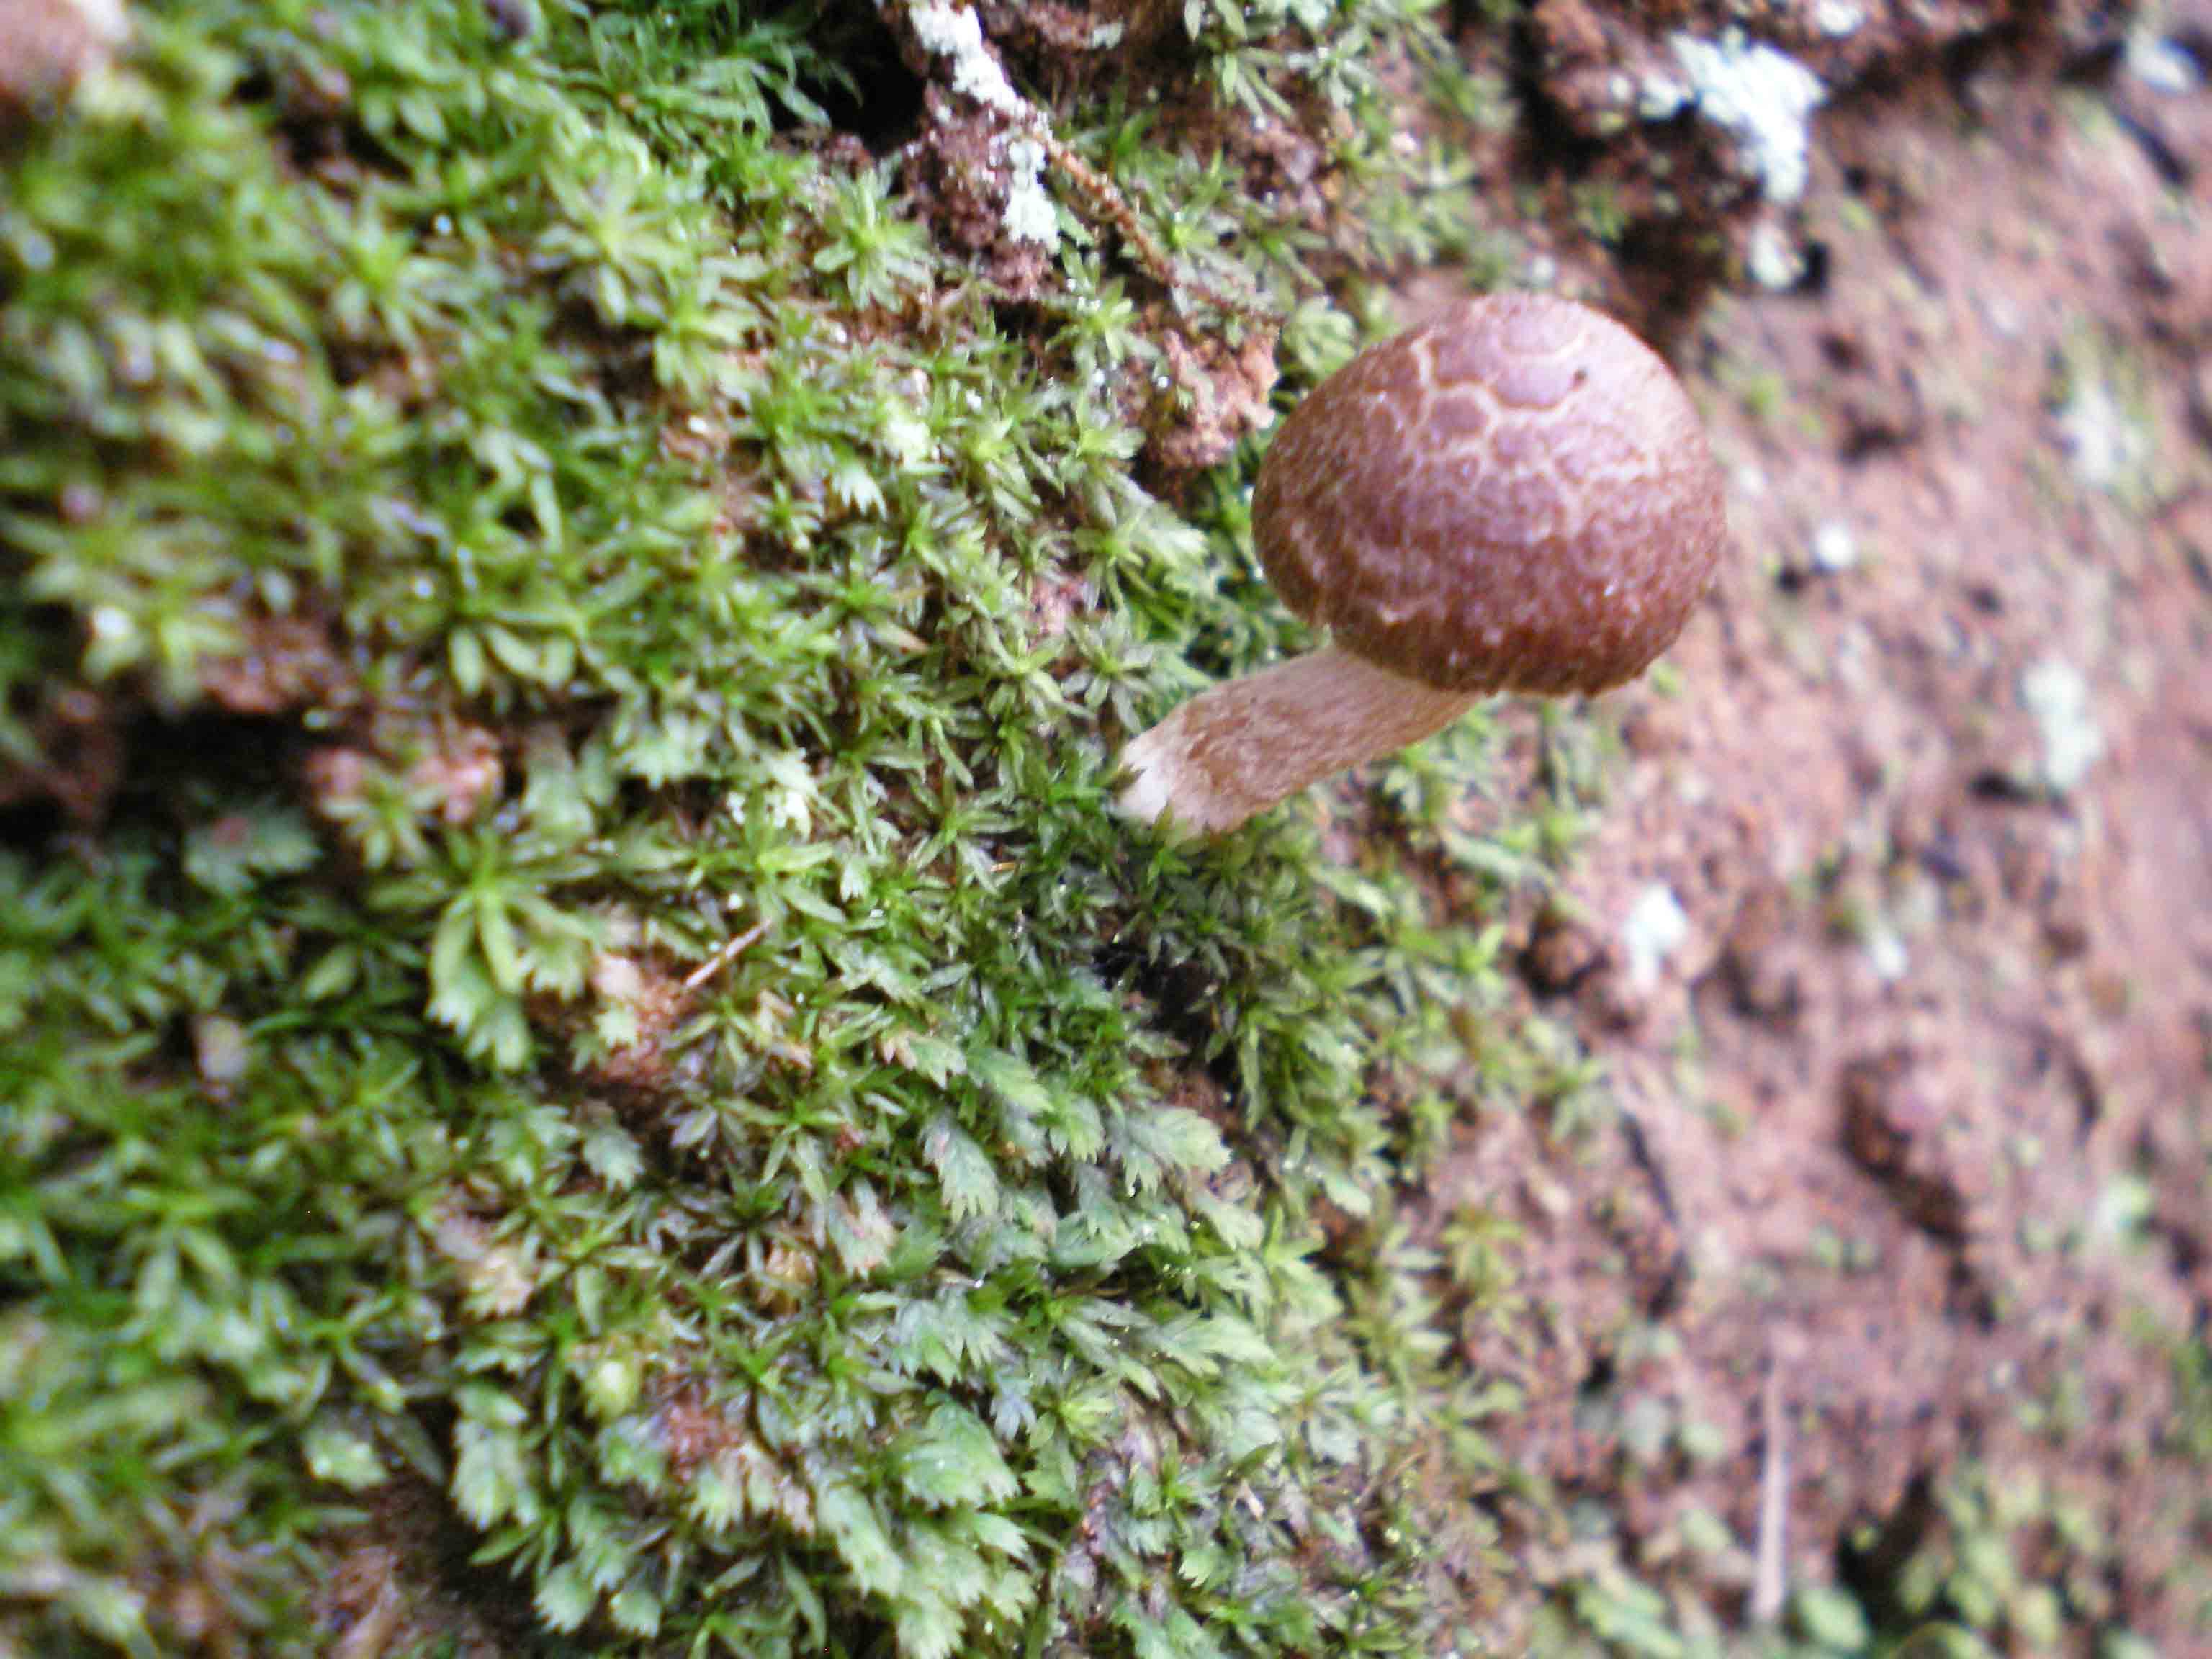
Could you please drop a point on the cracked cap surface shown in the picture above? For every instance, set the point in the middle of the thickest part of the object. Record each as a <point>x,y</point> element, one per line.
<point>1515,495</point>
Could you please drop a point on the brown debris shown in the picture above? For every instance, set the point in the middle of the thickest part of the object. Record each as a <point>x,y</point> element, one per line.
<point>1894,1125</point>
<point>1561,952</point>
<point>1217,392</point>
<point>958,176</point>
<point>455,770</point>
<point>1761,964</point>
<point>462,771</point>
<point>78,741</point>
<point>286,664</point>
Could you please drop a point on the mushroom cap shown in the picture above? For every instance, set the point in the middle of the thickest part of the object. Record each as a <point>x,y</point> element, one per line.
<point>1515,495</point>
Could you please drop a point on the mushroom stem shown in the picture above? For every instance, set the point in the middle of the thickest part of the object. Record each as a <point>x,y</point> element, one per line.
<point>1247,744</point>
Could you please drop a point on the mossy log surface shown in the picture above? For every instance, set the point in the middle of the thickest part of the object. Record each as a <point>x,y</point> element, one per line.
<point>585,1059</point>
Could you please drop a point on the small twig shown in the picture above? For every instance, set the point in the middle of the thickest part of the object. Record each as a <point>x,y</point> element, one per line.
<point>721,958</point>
<point>1108,202</point>
<point>1771,1585</point>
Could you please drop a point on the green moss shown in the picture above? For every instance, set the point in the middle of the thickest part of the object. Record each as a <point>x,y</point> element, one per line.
<point>605,994</point>
<point>571,1006</point>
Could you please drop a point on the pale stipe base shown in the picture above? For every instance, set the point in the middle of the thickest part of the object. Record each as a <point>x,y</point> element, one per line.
<point>1242,746</point>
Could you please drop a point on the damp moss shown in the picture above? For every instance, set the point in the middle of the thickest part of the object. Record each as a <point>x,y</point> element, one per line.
<point>584,1057</point>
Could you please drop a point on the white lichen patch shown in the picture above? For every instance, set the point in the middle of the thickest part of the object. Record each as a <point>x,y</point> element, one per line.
<point>1661,97</point>
<point>1772,258</point>
<point>1029,216</point>
<point>1656,928</point>
<point>1886,953</point>
<point>1838,18</point>
<point>2108,447</point>
<point>1834,547</point>
<point>107,19</point>
<point>2057,695</point>
<point>1761,98</point>
<point>2161,64</point>
<point>954,32</point>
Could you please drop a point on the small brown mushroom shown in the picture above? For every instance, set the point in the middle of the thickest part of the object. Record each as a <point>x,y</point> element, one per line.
<point>1515,495</point>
